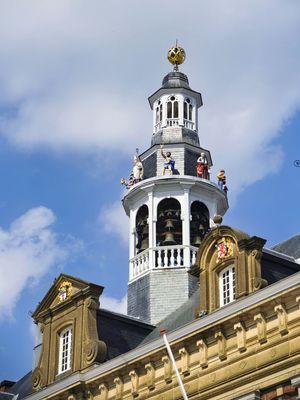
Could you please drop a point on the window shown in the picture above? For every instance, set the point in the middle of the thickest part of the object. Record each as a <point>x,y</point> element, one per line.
<point>172,108</point>
<point>65,348</point>
<point>227,285</point>
<point>187,110</point>
<point>158,113</point>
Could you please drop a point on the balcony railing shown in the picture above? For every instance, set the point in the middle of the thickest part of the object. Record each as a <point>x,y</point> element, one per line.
<point>162,257</point>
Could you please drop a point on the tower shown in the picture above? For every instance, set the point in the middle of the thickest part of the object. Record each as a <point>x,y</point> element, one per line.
<point>171,201</point>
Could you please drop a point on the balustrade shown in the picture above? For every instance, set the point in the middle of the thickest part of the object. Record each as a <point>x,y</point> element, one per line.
<point>163,257</point>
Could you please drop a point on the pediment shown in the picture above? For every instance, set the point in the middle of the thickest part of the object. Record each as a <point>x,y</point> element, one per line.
<point>63,290</point>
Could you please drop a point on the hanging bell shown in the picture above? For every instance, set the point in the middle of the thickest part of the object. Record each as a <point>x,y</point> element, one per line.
<point>197,241</point>
<point>169,225</point>
<point>146,230</point>
<point>169,239</point>
<point>145,244</point>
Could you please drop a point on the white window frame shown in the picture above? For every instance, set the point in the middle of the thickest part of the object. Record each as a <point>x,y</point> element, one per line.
<point>227,285</point>
<point>65,350</point>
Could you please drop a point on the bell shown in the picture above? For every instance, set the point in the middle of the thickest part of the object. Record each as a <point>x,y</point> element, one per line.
<point>146,230</point>
<point>169,224</point>
<point>197,241</point>
<point>169,239</point>
<point>145,244</point>
<point>201,227</point>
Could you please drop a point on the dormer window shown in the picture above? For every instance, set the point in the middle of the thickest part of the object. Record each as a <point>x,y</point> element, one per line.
<point>227,285</point>
<point>65,349</point>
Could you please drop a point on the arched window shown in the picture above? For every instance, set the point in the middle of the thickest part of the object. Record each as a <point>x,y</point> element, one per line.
<point>169,224</point>
<point>188,110</point>
<point>142,229</point>
<point>172,108</point>
<point>199,225</point>
<point>65,350</point>
<point>227,285</point>
<point>158,112</point>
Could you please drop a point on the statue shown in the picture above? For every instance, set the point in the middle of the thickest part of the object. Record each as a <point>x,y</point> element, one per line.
<point>136,174</point>
<point>169,164</point>
<point>222,181</point>
<point>202,167</point>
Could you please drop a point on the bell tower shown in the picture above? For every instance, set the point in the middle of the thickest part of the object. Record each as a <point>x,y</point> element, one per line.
<point>171,201</point>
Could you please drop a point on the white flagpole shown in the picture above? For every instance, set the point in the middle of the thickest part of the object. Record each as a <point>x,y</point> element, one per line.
<point>183,392</point>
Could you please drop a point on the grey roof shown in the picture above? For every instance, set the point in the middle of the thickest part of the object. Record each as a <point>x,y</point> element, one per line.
<point>23,387</point>
<point>290,246</point>
<point>183,315</point>
<point>175,79</point>
<point>6,396</point>
<point>121,333</point>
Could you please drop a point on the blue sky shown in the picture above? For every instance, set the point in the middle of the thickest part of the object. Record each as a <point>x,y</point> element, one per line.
<point>74,82</point>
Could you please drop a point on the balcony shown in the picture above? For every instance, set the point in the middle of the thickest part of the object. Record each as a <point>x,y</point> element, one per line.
<point>162,257</point>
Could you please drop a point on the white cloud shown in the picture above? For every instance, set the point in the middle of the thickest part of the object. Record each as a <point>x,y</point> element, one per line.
<point>28,249</point>
<point>113,220</point>
<point>76,76</point>
<point>113,304</point>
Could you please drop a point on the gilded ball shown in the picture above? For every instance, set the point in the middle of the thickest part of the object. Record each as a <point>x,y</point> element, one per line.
<point>176,55</point>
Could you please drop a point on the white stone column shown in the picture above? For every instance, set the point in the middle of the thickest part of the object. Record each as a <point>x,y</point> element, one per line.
<point>152,230</point>
<point>131,241</point>
<point>185,217</point>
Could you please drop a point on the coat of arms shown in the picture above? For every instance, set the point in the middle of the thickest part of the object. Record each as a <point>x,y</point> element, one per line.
<point>224,248</point>
<point>64,291</point>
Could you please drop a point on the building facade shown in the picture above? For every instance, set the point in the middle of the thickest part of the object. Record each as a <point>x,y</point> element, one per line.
<point>230,307</point>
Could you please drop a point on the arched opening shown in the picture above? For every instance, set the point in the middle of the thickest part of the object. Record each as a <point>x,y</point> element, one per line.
<point>142,229</point>
<point>169,224</point>
<point>199,225</point>
<point>172,111</point>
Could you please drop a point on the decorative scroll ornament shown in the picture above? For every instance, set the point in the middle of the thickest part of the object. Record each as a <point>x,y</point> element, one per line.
<point>224,248</point>
<point>64,291</point>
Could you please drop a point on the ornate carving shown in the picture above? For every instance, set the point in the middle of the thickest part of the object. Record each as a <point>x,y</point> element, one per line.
<point>221,341</point>
<point>95,351</point>
<point>240,336</point>
<point>167,369</point>
<point>134,383</point>
<point>65,291</point>
<point>119,388</point>
<point>224,248</point>
<point>261,327</point>
<point>202,353</point>
<point>37,379</point>
<point>282,319</point>
<point>150,371</point>
<point>185,361</point>
<point>103,390</point>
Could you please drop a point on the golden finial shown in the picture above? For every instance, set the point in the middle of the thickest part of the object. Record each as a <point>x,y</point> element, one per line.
<point>176,56</point>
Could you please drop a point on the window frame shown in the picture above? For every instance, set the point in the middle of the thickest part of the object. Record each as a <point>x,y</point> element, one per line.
<point>230,280</point>
<point>65,360</point>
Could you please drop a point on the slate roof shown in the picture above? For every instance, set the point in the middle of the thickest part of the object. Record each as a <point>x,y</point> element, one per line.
<point>23,387</point>
<point>120,332</point>
<point>6,396</point>
<point>290,246</point>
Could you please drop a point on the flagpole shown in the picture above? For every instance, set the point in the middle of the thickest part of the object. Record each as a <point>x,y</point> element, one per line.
<point>183,392</point>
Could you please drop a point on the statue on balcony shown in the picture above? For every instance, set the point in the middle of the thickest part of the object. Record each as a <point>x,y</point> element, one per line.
<point>169,164</point>
<point>202,167</point>
<point>136,174</point>
<point>222,181</point>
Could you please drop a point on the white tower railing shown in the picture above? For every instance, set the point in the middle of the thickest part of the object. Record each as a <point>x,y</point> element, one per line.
<point>162,257</point>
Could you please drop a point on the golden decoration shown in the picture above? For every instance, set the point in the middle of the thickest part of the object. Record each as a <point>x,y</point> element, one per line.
<point>64,291</point>
<point>176,55</point>
<point>224,248</point>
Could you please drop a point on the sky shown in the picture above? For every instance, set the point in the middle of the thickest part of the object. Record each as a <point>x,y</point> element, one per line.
<point>74,81</point>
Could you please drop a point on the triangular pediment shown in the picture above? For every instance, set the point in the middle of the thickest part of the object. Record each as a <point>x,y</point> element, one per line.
<point>63,290</point>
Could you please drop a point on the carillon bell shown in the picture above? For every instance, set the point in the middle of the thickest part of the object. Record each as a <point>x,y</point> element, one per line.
<point>169,224</point>
<point>169,239</point>
<point>197,241</point>
<point>145,244</point>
